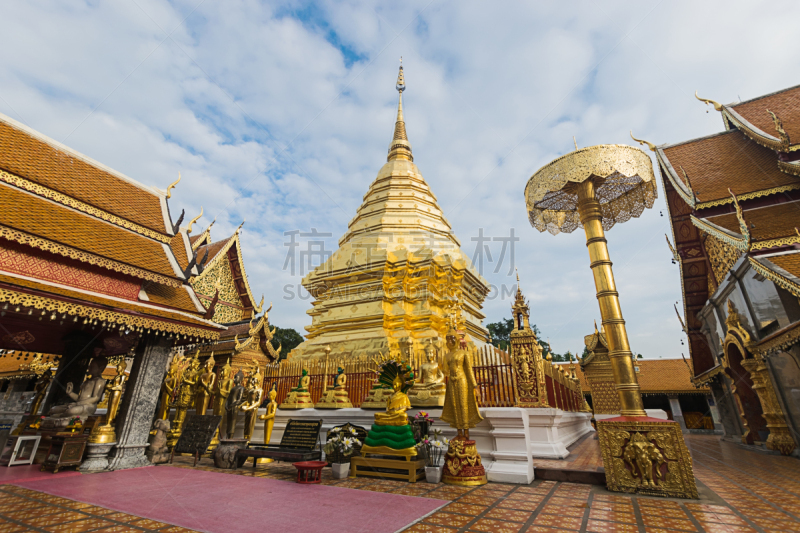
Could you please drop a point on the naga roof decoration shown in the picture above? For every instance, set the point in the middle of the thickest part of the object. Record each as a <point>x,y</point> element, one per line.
<point>224,272</point>
<point>80,239</point>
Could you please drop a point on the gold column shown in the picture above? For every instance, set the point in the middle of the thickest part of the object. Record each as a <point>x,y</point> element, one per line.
<point>608,298</point>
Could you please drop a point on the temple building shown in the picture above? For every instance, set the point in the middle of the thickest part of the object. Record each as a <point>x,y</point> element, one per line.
<point>398,271</point>
<point>734,205</point>
<point>93,266</point>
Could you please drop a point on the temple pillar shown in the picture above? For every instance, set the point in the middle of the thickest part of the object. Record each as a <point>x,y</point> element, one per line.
<point>78,351</point>
<point>139,403</point>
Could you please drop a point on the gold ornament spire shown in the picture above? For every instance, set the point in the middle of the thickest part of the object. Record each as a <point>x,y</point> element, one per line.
<point>400,147</point>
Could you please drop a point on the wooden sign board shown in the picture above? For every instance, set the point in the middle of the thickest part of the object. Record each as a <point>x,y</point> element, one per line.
<point>196,434</point>
<point>301,434</point>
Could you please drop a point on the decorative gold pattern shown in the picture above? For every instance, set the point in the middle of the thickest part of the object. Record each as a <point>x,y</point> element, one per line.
<point>94,313</point>
<point>646,457</point>
<point>220,276</point>
<point>63,199</point>
<point>722,257</point>
<point>79,255</point>
<point>790,167</point>
<point>774,243</point>
<point>742,244</point>
<point>526,353</point>
<point>626,187</point>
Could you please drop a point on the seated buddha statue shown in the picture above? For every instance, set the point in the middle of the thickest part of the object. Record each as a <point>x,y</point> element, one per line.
<point>84,403</point>
<point>299,397</point>
<point>337,397</point>
<point>430,388</point>
<point>391,433</point>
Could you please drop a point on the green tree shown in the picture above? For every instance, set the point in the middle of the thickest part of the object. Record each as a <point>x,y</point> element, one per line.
<point>287,338</point>
<point>500,332</point>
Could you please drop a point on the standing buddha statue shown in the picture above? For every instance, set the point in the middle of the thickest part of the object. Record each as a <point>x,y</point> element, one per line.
<point>235,399</point>
<point>205,387</point>
<point>252,401</point>
<point>269,416</point>
<point>105,433</point>
<point>462,464</point>
<point>185,398</point>
<point>429,390</point>
<point>171,381</point>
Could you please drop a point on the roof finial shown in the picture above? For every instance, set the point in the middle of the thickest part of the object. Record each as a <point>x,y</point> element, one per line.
<point>575,141</point>
<point>400,147</point>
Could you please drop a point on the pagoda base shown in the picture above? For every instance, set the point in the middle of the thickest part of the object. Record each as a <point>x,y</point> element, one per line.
<point>334,399</point>
<point>462,464</point>
<point>646,455</point>
<point>297,400</point>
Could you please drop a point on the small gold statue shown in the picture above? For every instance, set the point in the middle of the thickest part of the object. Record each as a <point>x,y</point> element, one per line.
<point>224,386</point>
<point>171,381</point>
<point>269,416</point>
<point>429,390</point>
<point>299,397</point>
<point>252,401</point>
<point>337,397</point>
<point>205,387</point>
<point>105,433</point>
<point>185,398</point>
<point>391,433</point>
<point>462,463</point>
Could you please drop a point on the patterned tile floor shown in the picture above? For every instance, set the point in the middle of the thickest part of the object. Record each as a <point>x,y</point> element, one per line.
<point>584,455</point>
<point>744,491</point>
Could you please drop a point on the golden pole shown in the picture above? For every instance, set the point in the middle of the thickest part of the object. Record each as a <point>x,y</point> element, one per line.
<point>607,296</point>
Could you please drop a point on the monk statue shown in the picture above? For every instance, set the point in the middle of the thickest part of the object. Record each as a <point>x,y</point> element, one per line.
<point>391,433</point>
<point>105,432</point>
<point>224,386</point>
<point>429,390</point>
<point>252,401</point>
<point>205,387</point>
<point>337,397</point>
<point>41,390</point>
<point>269,416</point>
<point>84,403</point>
<point>462,464</point>
<point>299,397</point>
<point>171,381</point>
<point>235,399</point>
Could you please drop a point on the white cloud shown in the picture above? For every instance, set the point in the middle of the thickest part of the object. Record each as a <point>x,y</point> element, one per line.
<point>282,114</point>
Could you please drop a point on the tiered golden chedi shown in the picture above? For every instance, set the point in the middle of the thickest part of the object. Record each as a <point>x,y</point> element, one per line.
<point>397,267</point>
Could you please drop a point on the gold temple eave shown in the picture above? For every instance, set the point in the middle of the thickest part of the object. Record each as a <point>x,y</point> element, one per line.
<point>132,319</point>
<point>777,278</point>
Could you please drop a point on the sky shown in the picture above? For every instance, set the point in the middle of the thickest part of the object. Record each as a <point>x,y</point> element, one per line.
<point>281,114</point>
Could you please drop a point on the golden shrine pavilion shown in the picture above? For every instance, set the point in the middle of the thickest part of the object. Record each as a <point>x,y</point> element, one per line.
<point>734,205</point>
<point>91,264</point>
<point>398,269</point>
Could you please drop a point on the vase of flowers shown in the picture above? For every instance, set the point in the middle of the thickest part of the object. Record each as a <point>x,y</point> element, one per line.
<point>433,448</point>
<point>340,447</point>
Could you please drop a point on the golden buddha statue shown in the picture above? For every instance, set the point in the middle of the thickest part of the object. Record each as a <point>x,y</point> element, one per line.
<point>171,381</point>
<point>299,397</point>
<point>337,397</point>
<point>462,464</point>
<point>41,389</point>
<point>429,390</point>
<point>185,397</point>
<point>391,433</point>
<point>105,433</point>
<point>252,401</point>
<point>205,387</point>
<point>269,416</point>
<point>224,386</point>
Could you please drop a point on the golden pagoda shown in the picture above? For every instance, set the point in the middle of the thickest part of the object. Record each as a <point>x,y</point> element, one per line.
<point>399,267</point>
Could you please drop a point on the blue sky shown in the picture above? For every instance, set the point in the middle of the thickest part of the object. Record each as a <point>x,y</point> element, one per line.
<point>281,113</point>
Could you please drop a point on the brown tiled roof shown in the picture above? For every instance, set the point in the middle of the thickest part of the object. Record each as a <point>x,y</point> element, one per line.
<point>789,262</point>
<point>766,223</point>
<point>727,160</point>
<point>658,376</point>
<point>48,220</point>
<point>785,104</point>
<point>213,250</point>
<point>103,302</point>
<point>25,155</point>
<point>176,297</point>
<point>178,247</point>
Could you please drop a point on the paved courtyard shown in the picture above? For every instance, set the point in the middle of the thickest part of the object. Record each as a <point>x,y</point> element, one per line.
<point>741,491</point>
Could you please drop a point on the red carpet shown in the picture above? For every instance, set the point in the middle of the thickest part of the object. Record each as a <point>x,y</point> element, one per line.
<point>18,474</point>
<point>217,502</point>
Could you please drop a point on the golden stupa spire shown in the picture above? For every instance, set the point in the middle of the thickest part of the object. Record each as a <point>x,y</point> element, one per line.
<point>400,147</point>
